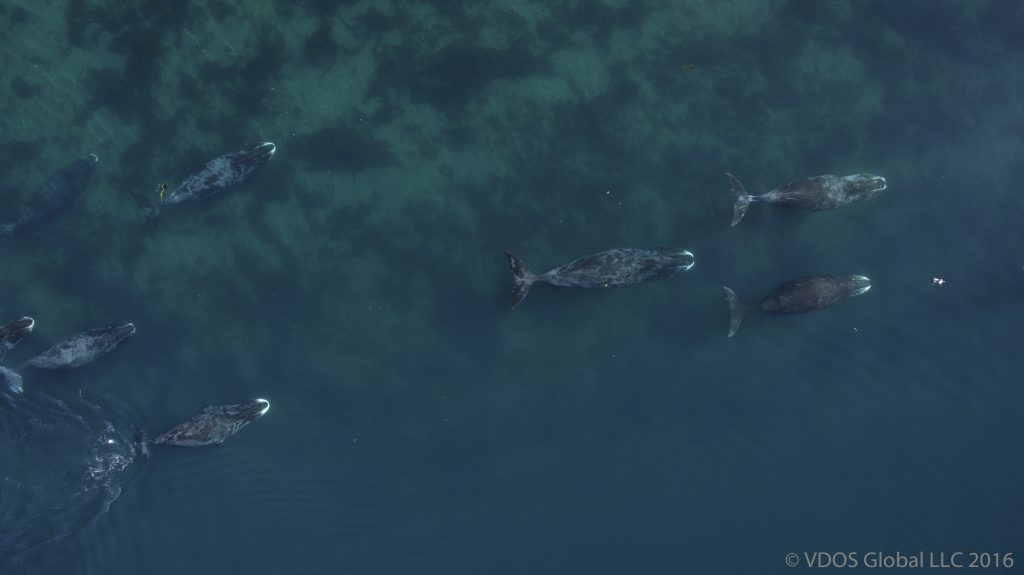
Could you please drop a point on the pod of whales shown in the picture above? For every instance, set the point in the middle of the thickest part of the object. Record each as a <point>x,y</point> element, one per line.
<point>215,424</point>
<point>55,194</point>
<point>817,193</point>
<point>219,173</point>
<point>67,459</point>
<point>613,268</point>
<point>799,295</point>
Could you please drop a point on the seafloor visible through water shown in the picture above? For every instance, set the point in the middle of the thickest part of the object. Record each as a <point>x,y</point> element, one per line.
<point>358,281</point>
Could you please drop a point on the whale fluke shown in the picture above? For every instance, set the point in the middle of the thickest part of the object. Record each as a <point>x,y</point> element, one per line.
<point>743,199</point>
<point>522,279</point>
<point>139,437</point>
<point>736,311</point>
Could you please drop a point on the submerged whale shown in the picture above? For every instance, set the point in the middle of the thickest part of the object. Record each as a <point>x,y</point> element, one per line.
<point>817,193</point>
<point>217,174</point>
<point>12,334</point>
<point>215,424</point>
<point>65,459</point>
<point>613,268</point>
<point>83,348</point>
<point>55,194</point>
<point>799,295</point>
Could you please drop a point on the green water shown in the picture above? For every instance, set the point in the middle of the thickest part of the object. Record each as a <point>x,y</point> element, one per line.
<point>358,280</point>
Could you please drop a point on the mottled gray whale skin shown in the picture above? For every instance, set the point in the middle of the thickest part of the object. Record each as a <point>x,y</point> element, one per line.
<point>55,194</point>
<point>799,295</point>
<point>219,173</point>
<point>613,268</point>
<point>12,334</point>
<point>11,379</point>
<point>817,193</point>
<point>215,424</point>
<point>83,348</point>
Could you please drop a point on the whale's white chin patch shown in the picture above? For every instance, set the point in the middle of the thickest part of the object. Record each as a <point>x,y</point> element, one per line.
<point>864,289</point>
<point>693,260</point>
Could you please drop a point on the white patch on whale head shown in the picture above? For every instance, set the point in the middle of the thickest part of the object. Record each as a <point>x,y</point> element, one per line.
<point>693,260</point>
<point>864,285</point>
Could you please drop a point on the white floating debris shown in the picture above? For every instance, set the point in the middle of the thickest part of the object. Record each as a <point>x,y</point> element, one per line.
<point>938,282</point>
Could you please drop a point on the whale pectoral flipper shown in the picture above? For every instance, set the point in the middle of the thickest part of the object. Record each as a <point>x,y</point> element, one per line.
<point>522,279</point>
<point>736,311</point>
<point>743,199</point>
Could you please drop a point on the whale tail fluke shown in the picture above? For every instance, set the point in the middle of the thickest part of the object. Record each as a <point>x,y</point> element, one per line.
<point>12,379</point>
<point>150,210</point>
<point>139,436</point>
<point>736,311</point>
<point>522,279</point>
<point>743,199</point>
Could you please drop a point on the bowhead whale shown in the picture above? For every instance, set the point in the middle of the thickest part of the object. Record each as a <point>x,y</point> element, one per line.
<point>613,268</point>
<point>83,348</point>
<point>799,295</point>
<point>215,424</point>
<point>817,193</point>
<point>54,195</point>
<point>219,173</point>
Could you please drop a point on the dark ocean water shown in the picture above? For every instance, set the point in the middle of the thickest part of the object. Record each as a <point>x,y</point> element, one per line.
<point>358,282</point>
